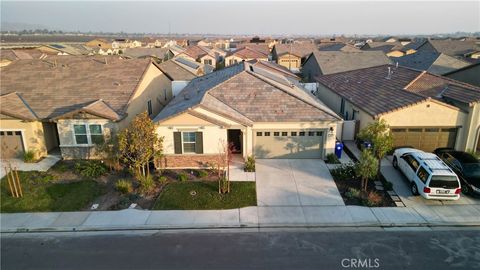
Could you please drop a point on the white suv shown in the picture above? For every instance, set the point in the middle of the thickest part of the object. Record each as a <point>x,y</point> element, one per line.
<point>429,176</point>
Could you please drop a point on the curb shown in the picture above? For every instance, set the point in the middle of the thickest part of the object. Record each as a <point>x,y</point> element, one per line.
<point>242,226</point>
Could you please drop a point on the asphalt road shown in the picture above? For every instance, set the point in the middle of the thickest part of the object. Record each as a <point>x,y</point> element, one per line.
<point>457,249</point>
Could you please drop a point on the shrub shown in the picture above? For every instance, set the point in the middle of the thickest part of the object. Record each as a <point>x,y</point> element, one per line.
<point>90,168</point>
<point>162,179</point>
<point>372,199</point>
<point>146,184</point>
<point>353,193</point>
<point>124,186</point>
<point>250,164</point>
<point>388,185</point>
<point>332,159</point>
<point>344,172</point>
<point>202,174</point>
<point>29,156</point>
<point>182,177</point>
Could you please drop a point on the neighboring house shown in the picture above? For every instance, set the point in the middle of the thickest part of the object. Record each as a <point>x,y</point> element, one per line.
<point>276,68</point>
<point>337,47</point>
<point>201,54</point>
<point>71,103</point>
<point>66,49</point>
<point>292,56</point>
<point>122,43</point>
<point>469,74</point>
<point>424,110</point>
<point>328,62</point>
<point>99,43</point>
<point>260,47</point>
<point>108,51</point>
<point>174,50</point>
<point>450,47</point>
<point>244,54</point>
<point>7,56</point>
<point>159,54</point>
<point>433,62</point>
<point>181,71</point>
<point>391,49</point>
<point>258,111</point>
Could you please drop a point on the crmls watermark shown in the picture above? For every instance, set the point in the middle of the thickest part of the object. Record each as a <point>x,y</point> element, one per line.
<point>356,263</point>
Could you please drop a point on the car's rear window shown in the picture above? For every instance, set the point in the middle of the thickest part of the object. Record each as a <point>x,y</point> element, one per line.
<point>443,181</point>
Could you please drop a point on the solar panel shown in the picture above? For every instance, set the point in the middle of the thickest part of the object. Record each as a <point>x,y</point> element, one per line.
<point>187,63</point>
<point>58,46</point>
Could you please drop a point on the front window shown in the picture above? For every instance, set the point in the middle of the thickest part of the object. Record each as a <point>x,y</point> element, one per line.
<point>88,134</point>
<point>189,142</point>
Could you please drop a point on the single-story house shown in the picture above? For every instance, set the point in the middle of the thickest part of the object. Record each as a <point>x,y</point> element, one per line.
<point>244,54</point>
<point>70,103</point>
<point>449,46</point>
<point>423,110</point>
<point>391,49</point>
<point>468,74</point>
<point>256,110</point>
<point>99,43</point>
<point>328,62</point>
<point>292,55</point>
<point>201,54</point>
<point>433,62</point>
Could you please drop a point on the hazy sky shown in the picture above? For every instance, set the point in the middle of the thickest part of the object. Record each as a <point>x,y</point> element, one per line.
<point>372,17</point>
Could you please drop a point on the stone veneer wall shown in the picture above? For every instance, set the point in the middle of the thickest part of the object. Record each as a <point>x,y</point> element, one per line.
<point>189,161</point>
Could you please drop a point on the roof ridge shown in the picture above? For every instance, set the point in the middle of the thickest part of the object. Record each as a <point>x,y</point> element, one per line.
<point>212,96</point>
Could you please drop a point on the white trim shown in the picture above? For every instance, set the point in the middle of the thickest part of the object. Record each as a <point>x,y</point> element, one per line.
<point>88,134</point>
<point>22,131</point>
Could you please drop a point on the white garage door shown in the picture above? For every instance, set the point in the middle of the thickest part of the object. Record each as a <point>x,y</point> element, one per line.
<point>289,143</point>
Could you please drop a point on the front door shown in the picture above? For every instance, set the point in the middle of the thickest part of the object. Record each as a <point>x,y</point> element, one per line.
<point>234,137</point>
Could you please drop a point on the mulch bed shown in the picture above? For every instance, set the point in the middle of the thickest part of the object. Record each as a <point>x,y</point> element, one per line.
<point>344,186</point>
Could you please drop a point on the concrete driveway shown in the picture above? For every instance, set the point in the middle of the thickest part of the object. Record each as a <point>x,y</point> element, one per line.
<point>295,182</point>
<point>402,188</point>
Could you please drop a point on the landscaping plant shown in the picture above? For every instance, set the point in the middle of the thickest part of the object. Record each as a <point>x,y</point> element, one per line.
<point>372,198</point>
<point>250,164</point>
<point>147,184</point>
<point>124,186</point>
<point>344,172</point>
<point>332,159</point>
<point>379,134</point>
<point>29,156</point>
<point>139,145</point>
<point>182,177</point>
<point>90,168</point>
<point>202,174</point>
<point>366,167</point>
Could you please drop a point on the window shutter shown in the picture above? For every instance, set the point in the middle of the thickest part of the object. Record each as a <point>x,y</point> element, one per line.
<point>199,142</point>
<point>177,142</point>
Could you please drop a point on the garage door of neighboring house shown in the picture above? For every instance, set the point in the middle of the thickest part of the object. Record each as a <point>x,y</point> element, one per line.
<point>289,143</point>
<point>12,144</point>
<point>426,139</point>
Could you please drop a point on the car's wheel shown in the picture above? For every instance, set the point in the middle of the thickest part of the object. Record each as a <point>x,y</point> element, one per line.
<point>395,162</point>
<point>465,189</point>
<point>414,189</point>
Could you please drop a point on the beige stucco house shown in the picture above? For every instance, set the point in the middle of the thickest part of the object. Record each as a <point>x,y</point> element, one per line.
<point>293,55</point>
<point>244,54</point>
<point>423,110</point>
<point>71,103</point>
<point>256,110</point>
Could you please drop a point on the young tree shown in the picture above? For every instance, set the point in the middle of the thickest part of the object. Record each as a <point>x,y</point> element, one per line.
<point>366,167</point>
<point>139,144</point>
<point>379,134</point>
<point>110,152</point>
<point>223,166</point>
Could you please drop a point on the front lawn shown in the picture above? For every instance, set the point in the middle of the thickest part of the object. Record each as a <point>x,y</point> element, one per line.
<point>204,195</point>
<point>42,194</point>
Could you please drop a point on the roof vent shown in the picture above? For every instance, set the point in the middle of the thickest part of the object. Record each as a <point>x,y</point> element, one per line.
<point>251,68</point>
<point>389,74</point>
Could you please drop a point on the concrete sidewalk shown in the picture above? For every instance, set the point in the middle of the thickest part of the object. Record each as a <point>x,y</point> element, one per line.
<point>249,217</point>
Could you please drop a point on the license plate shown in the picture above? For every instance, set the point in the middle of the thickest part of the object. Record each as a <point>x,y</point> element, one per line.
<point>443,191</point>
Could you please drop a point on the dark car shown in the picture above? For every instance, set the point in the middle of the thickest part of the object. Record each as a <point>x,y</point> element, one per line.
<point>465,165</point>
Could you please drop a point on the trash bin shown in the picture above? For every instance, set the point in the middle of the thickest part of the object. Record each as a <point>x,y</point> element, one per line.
<point>338,149</point>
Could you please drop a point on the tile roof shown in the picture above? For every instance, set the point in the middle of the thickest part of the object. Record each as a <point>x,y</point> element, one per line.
<point>13,105</point>
<point>63,84</point>
<point>262,48</point>
<point>145,52</point>
<point>180,72</point>
<point>382,46</point>
<point>333,62</point>
<point>249,93</point>
<point>197,51</point>
<point>269,65</point>
<point>298,49</point>
<point>372,90</point>
<point>454,47</point>
<point>433,62</point>
<point>248,53</point>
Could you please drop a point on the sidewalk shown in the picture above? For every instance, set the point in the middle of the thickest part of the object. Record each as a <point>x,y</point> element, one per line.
<point>249,217</point>
<point>42,165</point>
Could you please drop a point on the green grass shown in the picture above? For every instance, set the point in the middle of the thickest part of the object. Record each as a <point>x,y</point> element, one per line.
<point>41,195</point>
<point>177,196</point>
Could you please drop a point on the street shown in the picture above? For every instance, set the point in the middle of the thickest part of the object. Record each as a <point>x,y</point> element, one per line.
<point>418,248</point>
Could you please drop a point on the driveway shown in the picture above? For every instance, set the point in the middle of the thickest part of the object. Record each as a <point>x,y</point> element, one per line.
<point>402,188</point>
<point>295,182</point>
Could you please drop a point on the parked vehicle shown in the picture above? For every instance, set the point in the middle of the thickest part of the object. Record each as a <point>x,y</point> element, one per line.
<point>429,176</point>
<point>465,165</point>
